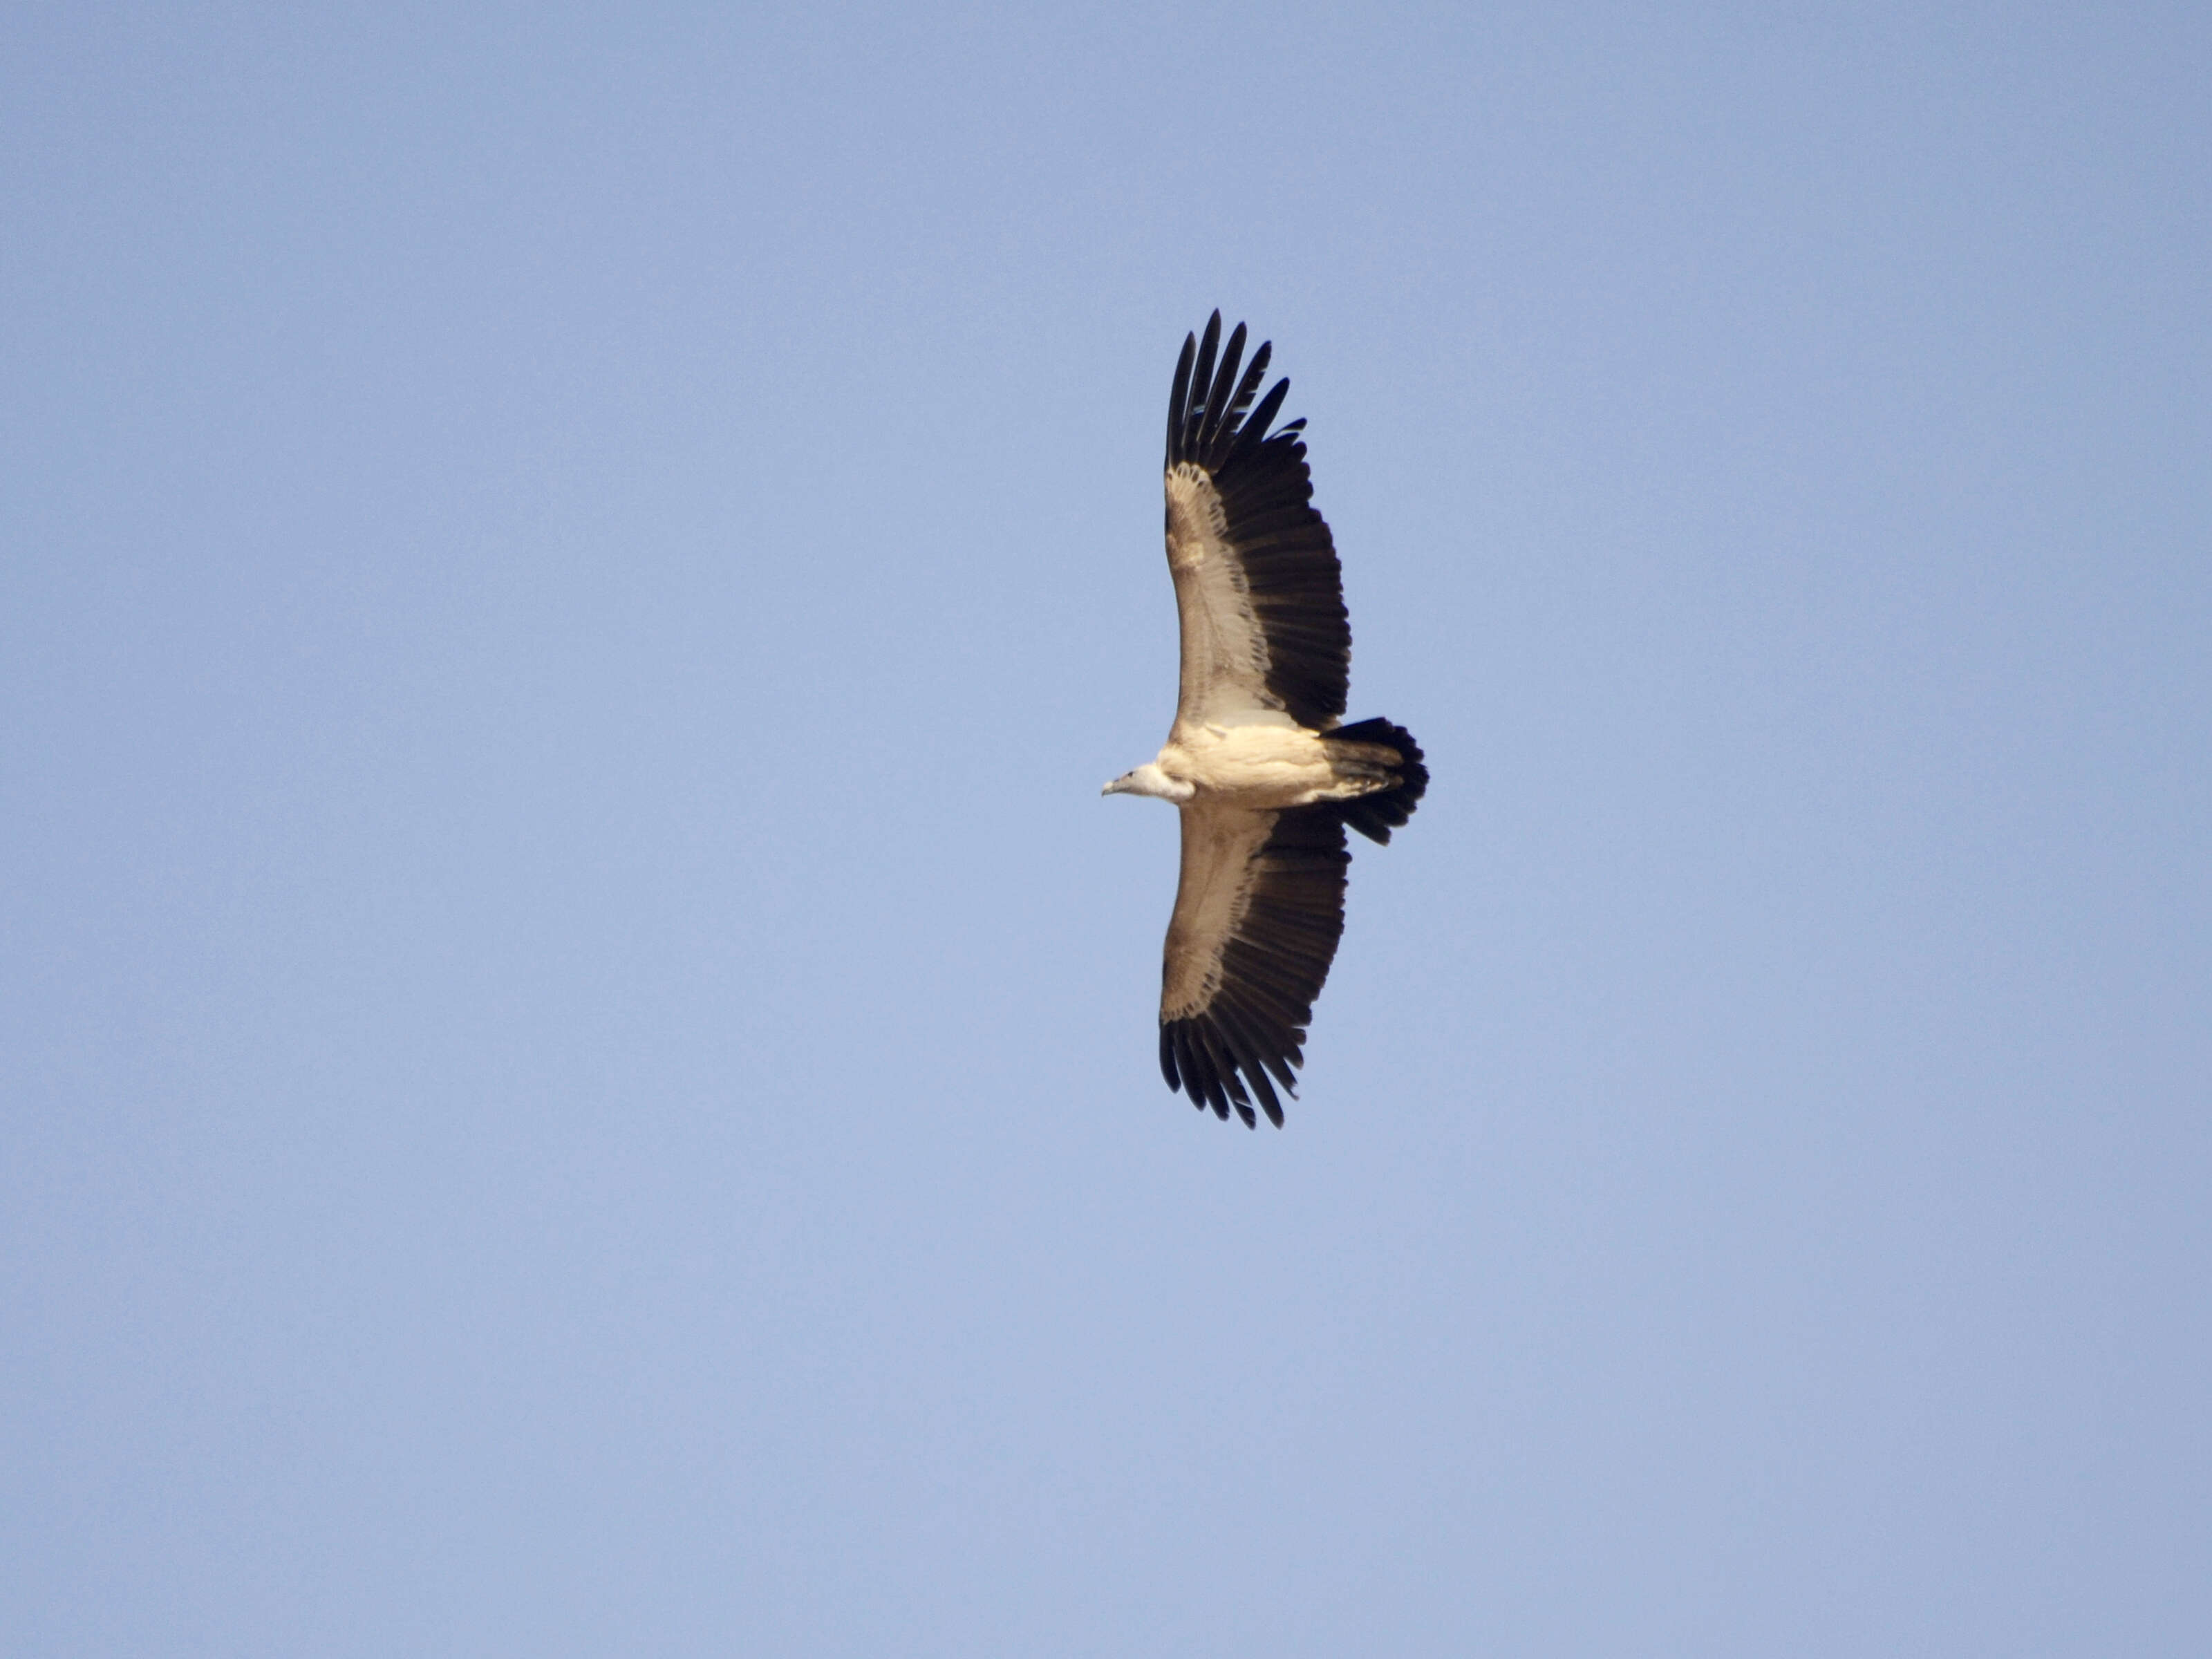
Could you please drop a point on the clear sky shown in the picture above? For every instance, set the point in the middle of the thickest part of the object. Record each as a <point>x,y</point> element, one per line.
<point>577,1042</point>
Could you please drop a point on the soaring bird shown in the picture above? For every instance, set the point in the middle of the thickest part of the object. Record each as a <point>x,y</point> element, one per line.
<point>1259,762</point>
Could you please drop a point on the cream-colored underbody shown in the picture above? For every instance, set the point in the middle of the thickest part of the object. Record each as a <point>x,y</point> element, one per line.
<point>1262,767</point>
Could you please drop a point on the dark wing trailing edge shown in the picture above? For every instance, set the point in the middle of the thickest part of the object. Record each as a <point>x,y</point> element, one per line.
<point>1289,563</point>
<point>1247,953</point>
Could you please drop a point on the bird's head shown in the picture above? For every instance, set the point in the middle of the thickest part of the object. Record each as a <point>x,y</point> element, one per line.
<point>1148,780</point>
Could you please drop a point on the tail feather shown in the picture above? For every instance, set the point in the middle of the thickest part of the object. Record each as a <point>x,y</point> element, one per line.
<point>1376,815</point>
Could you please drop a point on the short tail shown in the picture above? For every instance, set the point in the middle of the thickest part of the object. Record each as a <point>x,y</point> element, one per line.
<point>1376,815</point>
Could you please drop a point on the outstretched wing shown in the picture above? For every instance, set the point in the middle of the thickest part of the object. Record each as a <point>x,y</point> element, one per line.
<point>1257,584</point>
<point>1257,916</point>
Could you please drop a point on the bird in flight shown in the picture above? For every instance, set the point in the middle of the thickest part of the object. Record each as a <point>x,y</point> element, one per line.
<point>1259,762</point>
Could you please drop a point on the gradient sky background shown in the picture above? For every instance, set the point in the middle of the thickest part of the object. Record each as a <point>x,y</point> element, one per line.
<point>578,1043</point>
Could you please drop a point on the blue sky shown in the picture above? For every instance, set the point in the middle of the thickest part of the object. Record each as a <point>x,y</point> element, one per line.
<point>577,1043</point>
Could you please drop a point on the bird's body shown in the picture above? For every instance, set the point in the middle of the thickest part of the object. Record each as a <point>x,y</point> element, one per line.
<point>1265,774</point>
<point>1268,764</point>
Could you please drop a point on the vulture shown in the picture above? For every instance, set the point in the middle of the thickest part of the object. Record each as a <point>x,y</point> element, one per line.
<point>1259,760</point>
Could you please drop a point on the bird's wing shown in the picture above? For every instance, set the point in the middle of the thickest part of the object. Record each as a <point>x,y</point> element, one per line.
<point>1257,915</point>
<point>1257,585</point>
